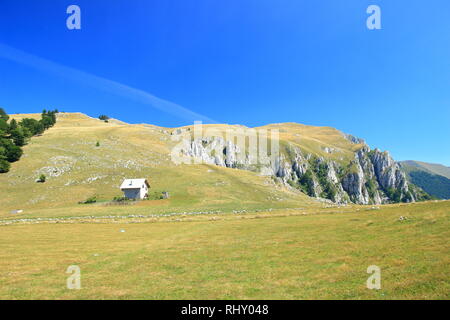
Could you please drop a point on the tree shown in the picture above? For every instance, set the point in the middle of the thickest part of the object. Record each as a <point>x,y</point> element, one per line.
<point>53,115</point>
<point>3,115</point>
<point>46,121</point>
<point>18,137</point>
<point>307,182</point>
<point>103,117</point>
<point>13,152</point>
<point>14,135</point>
<point>35,127</point>
<point>394,194</point>
<point>12,125</point>
<point>4,166</point>
<point>26,132</point>
<point>48,118</point>
<point>4,128</point>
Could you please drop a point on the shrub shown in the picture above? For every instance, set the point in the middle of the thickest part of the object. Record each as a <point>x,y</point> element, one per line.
<point>18,137</point>
<point>407,197</point>
<point>3,128</point>
<point>89,200</point>
<point>42,178</point>
<point>307,183</point>
<point>12,152</point>
<point>35,127</point>
<point>371,188</point>
<point>158,195</point>
<point>394,194</point>
<point>120,199</point>
<point>4,166</point>
<point>329,190</point>
<point>3,115</point>
<point>292,183</point>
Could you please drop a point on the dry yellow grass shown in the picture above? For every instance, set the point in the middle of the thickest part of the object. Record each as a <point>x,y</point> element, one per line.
<point>321,255</point>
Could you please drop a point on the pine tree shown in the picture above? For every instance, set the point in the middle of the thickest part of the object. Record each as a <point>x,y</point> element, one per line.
<point>3,115</point>
<point>4,166</point>
<point>12,125</point>
<point>18,137</point>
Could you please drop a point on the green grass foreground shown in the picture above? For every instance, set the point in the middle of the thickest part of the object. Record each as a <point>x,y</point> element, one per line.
<point>321,255</point>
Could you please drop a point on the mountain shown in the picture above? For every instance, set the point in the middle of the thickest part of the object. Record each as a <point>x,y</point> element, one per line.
<point>83,156</point>
<point>77,169</point>
<point>432,178</point>
<point>431,168</point>
<point>321,161</point>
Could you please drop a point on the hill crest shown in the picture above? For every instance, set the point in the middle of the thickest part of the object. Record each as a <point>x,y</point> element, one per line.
<point>83,156</point>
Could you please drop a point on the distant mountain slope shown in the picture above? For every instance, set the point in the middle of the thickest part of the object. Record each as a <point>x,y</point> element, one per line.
<point>432,178</point>
<point>320,161</point>
<point>432,168</point>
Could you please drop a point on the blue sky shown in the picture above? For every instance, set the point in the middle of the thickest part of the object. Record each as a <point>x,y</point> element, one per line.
<point>239,61</point>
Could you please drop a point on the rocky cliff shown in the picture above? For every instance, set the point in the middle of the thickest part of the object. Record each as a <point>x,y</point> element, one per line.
<point>371,177</point>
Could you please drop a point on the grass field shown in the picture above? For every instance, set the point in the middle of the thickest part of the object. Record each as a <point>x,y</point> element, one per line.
<point>311,254</point>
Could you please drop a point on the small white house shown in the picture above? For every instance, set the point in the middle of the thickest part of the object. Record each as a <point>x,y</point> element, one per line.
<point>135,188</point>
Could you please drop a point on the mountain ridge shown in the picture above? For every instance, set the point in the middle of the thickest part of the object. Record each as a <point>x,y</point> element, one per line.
<point>434,168</point>
<point>431,177</point>
<point>322,162</point>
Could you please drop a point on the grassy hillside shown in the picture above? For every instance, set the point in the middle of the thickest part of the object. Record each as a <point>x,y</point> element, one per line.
<point>295,254</point>
<point>426,177</point>
<point>316,140</point>
<point>76,169</point>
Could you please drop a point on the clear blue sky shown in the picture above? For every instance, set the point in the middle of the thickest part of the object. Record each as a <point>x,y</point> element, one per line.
<point>239,61</point>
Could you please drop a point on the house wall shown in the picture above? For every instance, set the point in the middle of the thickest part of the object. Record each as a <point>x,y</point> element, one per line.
<point>144,191</point>
<point>132,193</point>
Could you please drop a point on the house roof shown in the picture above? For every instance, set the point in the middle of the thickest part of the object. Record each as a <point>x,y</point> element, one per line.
<point>133,183</point>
